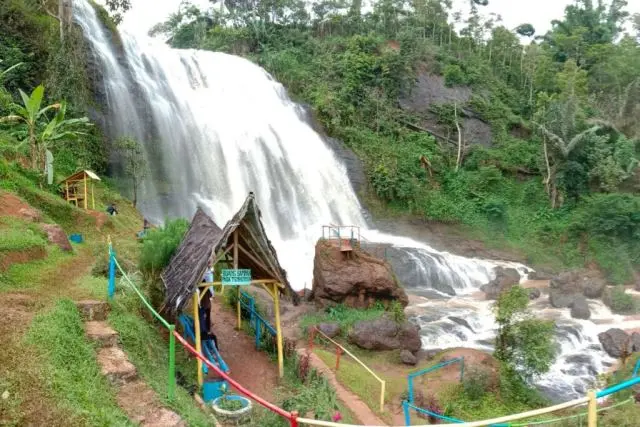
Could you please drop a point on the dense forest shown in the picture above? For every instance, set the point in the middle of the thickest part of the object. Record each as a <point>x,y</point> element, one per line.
<point>559,176</point>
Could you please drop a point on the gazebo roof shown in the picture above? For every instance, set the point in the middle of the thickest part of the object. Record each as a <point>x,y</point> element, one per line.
<point>205,239</point>
<point>81,174</point>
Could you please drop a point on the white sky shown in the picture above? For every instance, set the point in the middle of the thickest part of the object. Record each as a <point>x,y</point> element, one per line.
<point>145,13</point>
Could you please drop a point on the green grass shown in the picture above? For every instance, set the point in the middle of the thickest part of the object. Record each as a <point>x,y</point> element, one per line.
<point>70,369</point>
<point>16,235</point>
<point>148,350</point>
<point>345,316</point>
<point>31,274</point>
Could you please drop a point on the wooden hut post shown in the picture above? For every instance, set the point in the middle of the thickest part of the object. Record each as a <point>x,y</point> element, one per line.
<point>66,184</point>
<point>276,304</point>
<point>85,190</point>
<point>196,326</point>
<point>93,199</point>
<point>235,267</point>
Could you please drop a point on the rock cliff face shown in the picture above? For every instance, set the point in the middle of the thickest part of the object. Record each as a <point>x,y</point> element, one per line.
<point>356,280</point>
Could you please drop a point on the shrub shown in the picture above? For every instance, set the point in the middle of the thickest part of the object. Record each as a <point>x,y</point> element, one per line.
<point>476,383</point>
<point>453,75</point>
<point>157,249</point>
<point>621,301</point>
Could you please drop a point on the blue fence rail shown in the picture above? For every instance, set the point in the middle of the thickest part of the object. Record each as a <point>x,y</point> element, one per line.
<point>208,349</point>
<point>256,321</point>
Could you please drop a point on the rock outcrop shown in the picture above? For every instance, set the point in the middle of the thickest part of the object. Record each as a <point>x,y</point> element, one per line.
<point>566,287</point>
<point>57,236</point>
<point>386,334</point>
<point>534,293</point>
<point>408,358</point>
<point>505,279</point>
<point>355,279</point>
<point>580,308</point>
<point>615,342</point>
<point>329,329</point>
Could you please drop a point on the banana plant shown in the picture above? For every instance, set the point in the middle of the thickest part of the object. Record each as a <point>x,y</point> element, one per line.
<point>41,132</point>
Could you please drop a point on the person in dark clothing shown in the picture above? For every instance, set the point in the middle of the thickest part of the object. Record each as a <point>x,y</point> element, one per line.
<point>112,210</point>
<point>206,332</point>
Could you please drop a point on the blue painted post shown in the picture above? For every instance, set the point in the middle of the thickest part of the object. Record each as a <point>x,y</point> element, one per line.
<point>112,273</point>
<point>258,332</point>
<point>251,310</point>
<point>636,369</point>
<point>407,413</point>
<point>410,378</point>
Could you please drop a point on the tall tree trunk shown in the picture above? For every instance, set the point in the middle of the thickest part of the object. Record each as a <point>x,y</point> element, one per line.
<point>455,114</point>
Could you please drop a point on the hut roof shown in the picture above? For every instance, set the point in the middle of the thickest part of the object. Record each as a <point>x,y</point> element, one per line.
<point>204,240</point>
<point>80,175</point>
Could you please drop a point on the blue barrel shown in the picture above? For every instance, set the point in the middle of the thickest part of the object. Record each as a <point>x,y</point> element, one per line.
<point>76,238</point>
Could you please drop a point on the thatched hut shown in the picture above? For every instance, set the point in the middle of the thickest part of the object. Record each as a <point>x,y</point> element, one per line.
<point>242,244</point>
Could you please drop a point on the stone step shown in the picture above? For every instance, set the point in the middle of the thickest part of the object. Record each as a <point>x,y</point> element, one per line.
<point>142,406</point>
<point>115,365</point>
<point>101,333</point>
<point>91,310</point>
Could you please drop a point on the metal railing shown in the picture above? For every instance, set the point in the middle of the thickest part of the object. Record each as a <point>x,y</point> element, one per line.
<point>111,289</point>
<point>339,350</point>
<point>256,321</point>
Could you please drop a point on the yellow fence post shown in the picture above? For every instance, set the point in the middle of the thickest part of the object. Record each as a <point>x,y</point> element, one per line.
<point>592,414</point>
<point>382,390</point>
<point>196,326</point>
<point>276,304</point>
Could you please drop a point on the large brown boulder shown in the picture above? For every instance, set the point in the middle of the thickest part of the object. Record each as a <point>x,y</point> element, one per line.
<point>386,334</point>
<point>615,342</point>
<point>505,279</point>
<point>566,287</point>
<point>56,235</point>
<point>355,279</point>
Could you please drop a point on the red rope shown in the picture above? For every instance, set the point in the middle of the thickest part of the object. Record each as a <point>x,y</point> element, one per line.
<point>236,385</point>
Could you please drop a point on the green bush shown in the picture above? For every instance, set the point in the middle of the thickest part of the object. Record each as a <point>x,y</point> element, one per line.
<point>157,249</point>
<point>621,301</point>
<point>476,383</point>
<point>16,240</point>
<point>454,75</point>
<point>345,316</point>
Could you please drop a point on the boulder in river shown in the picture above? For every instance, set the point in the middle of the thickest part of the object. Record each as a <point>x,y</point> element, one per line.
<point>615,342</point>
<point>386,334</point>
<point>580,308</point>
<point>635,342</point>
<point>567,286</point>
<point>534,293</point>
<point>539,275</point>
<point>505,279</point>
<point>357,280</point>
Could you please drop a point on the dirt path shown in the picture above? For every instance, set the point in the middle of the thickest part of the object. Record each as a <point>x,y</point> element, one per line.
<point>250,367</point>
<point>359,409</point>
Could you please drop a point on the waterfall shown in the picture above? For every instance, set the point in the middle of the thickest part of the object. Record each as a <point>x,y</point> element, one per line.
<point>216,126</point>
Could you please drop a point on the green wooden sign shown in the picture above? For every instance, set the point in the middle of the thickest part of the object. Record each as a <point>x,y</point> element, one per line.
<point>236,277</point>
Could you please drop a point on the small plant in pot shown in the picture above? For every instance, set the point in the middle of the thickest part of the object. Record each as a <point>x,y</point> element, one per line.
<point>231,408</point>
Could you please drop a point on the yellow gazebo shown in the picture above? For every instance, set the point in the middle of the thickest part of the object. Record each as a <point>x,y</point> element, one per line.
<point>76,188</point>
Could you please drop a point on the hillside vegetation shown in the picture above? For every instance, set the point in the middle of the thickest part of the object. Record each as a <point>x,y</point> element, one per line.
<point>559,177</point>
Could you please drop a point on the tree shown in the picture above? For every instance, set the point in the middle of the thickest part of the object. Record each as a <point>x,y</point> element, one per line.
<point>523,343</point>
<point>41,132</point>
<point>118,8</point>
<point>526,30</point>
<point>135,164</point>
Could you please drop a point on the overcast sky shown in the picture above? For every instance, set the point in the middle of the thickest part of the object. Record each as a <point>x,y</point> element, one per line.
<point>540,13</point>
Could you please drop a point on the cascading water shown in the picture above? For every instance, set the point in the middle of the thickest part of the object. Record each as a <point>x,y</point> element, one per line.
<point>216,127</point>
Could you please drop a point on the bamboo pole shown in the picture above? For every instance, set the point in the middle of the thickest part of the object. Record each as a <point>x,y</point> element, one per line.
<point>592,414</point>
<point>93,199</point>
<point>198,343</point>
<point>276,303</point>
<point>85,192</point>
<point>235,267</point>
